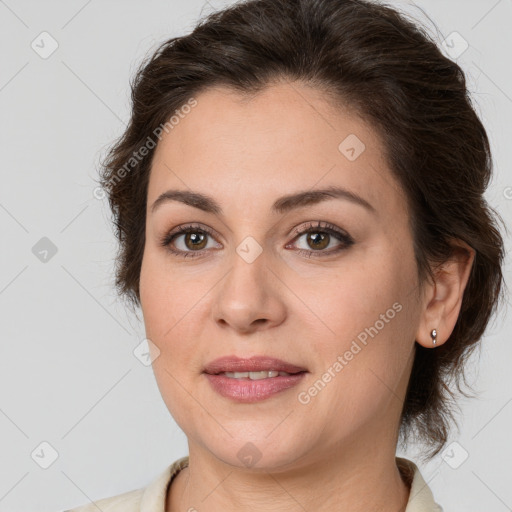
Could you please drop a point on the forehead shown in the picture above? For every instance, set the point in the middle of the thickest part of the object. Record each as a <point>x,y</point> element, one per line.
<point>286,137</point>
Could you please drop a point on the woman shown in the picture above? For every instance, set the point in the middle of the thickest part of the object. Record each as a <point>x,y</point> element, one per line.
<point>299,203</point>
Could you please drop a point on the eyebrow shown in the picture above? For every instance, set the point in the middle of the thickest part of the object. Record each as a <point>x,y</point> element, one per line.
<point>282,205</point>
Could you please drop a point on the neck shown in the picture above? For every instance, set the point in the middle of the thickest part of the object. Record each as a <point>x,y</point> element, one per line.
<point>341,479</point>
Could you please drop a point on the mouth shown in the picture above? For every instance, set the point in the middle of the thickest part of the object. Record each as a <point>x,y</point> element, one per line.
<point>254,379</point>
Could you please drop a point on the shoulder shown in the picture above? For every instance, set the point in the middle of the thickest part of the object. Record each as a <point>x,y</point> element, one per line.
<point>146,499</point>
<point>128,502</point>
<point>421,498</point>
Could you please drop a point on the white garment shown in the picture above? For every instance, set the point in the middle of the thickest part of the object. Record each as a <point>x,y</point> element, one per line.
<point>152,497</point>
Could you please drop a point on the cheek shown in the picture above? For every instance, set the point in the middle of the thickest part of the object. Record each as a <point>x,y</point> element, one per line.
<point>165,295</point>
<point>174,310</point>
<point>366,330</point>
<point>349,300</point>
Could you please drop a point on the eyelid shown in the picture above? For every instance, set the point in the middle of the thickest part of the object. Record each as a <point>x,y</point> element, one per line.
<point>306,227</point>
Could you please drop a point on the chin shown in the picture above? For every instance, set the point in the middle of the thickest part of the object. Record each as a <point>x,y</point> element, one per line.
<point>259,452</point>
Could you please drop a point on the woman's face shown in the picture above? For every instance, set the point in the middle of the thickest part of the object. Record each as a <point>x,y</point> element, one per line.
<point>345,307</point>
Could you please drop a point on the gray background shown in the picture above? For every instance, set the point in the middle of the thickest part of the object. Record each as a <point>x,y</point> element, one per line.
<point>68,374</point>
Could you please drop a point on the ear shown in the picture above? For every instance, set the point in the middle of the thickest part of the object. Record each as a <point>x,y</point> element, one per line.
<point>443,298</point>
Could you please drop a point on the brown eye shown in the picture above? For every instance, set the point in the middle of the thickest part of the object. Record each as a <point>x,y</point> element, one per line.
<point>318,240</point>
<point>196,241</point>
<point>319,237</point>
<point>187,241</point>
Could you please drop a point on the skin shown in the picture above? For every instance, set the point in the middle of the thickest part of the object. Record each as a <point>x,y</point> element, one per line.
<point>326,454</point>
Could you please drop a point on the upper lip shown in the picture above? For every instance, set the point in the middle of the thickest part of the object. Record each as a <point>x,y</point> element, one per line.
<point>252,364</point>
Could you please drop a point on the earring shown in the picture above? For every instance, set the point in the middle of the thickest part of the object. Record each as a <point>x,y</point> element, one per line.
<point>433,333</point>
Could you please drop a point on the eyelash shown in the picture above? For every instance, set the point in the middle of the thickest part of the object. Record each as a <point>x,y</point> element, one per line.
<point>325,227</point>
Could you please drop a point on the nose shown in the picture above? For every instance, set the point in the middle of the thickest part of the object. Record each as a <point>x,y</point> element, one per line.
<point>250,297</point>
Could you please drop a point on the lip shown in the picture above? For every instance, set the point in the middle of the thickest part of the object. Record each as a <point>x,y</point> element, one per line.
<point>252,364</point>
<point>247,390</point>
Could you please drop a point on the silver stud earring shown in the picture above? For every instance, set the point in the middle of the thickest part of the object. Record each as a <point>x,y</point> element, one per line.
<point>433,333</point>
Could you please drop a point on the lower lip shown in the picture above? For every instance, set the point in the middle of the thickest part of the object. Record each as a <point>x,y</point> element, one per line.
<point>249,391</point>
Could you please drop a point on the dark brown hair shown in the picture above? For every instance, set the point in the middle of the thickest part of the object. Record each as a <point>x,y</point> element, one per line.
<point>387,69</point>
